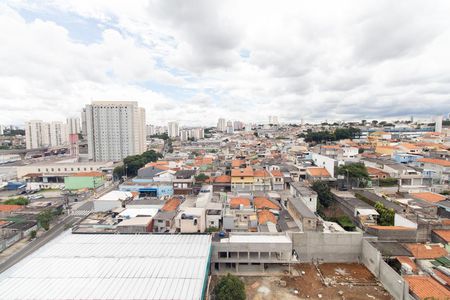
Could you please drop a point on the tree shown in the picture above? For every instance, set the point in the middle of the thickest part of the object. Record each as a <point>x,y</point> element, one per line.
<point>387,215</point>
<point>33,234</point>
<point>134,162</point>
<point>201,177</point>
<point>17,201</point>
<point>356,171</point>
<point>44,218</point>
<point>323,193</point>
<point>230,287</point>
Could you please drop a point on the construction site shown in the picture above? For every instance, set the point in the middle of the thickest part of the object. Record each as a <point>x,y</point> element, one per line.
<point>316,281</point>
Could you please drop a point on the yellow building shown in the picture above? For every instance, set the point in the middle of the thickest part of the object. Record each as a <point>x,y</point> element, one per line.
<point>242,179</point>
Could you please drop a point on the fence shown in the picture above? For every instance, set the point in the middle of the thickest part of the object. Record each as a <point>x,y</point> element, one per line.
<point>391,280</point>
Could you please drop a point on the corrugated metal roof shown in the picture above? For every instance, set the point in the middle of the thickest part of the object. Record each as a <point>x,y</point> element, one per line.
<point>96,266</point>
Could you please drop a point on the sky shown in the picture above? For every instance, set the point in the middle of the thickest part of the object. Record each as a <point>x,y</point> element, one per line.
<point>197,61</point>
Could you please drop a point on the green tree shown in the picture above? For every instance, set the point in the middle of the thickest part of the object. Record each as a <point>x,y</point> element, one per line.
<point>33,234</point>
<point>44,218</point>
<point>201,177</point>
<point>17,201</point>
<point>387,215</point>
<point>230,287</point>
<point>355,171</point>
<point>323,193</point>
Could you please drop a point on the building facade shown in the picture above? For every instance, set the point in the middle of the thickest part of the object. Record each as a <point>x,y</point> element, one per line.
<point>115,130</point>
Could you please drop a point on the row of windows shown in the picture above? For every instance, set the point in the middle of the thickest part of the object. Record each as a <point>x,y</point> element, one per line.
<point>65,169</point>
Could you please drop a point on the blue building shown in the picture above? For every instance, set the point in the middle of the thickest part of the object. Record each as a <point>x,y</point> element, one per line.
<point>147,187</point>
<point>406,158</point>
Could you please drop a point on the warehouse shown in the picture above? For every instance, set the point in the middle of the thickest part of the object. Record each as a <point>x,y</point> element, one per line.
<point>106,266</point>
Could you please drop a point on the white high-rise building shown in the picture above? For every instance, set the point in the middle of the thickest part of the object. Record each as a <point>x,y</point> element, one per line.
<point>238,125</point>
<point>37,134</point>
<point>83,123</point>
<point>438,124</point>
<point>2,129</point>
<point>58,134</point>
<point>115,129</point>
<point>73,126</point>
<point>197,133</point>
<point>173,129</point>
<point>230,128</point>
<point>222,125</point>
<point>150,129</point>
<point>185,135</point>
<point>273,120</point>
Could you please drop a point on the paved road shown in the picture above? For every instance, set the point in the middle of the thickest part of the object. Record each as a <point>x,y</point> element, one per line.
<point>49,235</point>
<point>37,243</point>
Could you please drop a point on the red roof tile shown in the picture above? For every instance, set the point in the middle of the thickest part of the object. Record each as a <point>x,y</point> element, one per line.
<point>426,287</point>
<point>422,251</point>
<point>237,201</point>
<point>262,203</point>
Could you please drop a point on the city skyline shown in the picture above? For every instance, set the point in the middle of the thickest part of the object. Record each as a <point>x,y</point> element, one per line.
<point>368,61</point>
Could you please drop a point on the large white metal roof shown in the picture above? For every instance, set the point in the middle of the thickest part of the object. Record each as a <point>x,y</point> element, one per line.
<point>103,266</point>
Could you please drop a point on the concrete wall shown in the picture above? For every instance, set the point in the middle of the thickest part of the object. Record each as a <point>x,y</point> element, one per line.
<point>390,279</point>
<point>327,247</point>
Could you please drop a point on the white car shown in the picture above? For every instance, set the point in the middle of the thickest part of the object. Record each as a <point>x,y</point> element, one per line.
<point>35,196</point>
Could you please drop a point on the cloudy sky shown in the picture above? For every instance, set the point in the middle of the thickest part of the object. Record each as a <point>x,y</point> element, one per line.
<point>196,61</point>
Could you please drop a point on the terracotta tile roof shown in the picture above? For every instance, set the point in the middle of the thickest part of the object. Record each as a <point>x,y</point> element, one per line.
<point>409,146</point>
<point>171,204</point>
<point>443,276</point>
<point>435,161</point>
<point>261,173</point>
<point>247,172</point>
<point>426,287</point>
<point>408,261</point>
<point>390,227</point>
<point>262,202</point>
<point>318,172</point>
<point>199,161</point>
<point>9,207</point>
<point>445,221</point>
<point>2,222</point>
<point>89,174</point>
<point>443,234</point>
<point>429,197</point>
<point>277,173</point>
<point>223,179</point>
<point>330,147</point>
<point>236,163</point>
<point>265,216</point>
<point>422,251</point>
<point>237,201</point>
<point>157,163</point>
<point>375,171</point>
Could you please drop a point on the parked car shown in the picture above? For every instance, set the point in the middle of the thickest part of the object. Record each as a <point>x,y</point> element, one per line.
<point>35,197</point>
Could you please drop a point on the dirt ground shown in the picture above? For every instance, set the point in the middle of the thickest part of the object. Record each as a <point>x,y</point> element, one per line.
<point>343,281</point>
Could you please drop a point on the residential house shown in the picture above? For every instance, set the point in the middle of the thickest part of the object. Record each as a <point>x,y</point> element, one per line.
<point>242,179</point>
<point>439,167</point>
<point>304,217</point>
<point>277,180</point>
<point>304,193</point>
<point>183,182</point>
<point>261,180</point>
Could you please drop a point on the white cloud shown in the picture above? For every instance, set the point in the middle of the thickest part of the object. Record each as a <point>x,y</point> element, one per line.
<point>313,60</point>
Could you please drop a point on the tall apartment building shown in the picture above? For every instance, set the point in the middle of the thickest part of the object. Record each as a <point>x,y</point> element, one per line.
<point>83,123</point>
<point>438,124</point>
<point>37,134</point>
<point>222,125</point>
<point>273,120</point>
<point>115,129</point>
<point>174,130</point>
<point>73,126</point>
<point>58,134</point>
